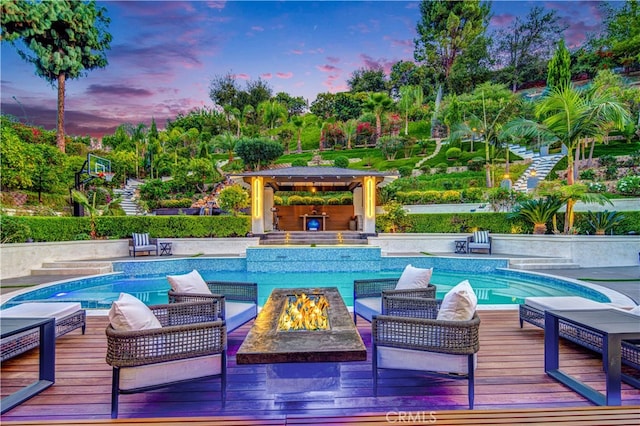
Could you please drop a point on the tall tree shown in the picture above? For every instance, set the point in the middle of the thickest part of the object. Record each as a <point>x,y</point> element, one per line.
<point>621,39</point>
<point>368,80</point>
<point>447,32</point>
<point>223,90</point>
<point>64,39</point>
<point>559,68</point>
<point>525,45</point>
<point>272,113</point>
<point>411,97</point>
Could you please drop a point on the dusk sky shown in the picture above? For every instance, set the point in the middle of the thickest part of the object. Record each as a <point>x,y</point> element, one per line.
<point>164,54</point>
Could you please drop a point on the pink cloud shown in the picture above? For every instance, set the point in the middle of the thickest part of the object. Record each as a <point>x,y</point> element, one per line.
<point>285,75</point>
<point>117,90</point>
<point>242,76</point>
<point>333,59</point>
<point>327,68</point>
<point>371,63</point>
<point>266,76</point>
<point>502,20</point>
<point>296,52</point>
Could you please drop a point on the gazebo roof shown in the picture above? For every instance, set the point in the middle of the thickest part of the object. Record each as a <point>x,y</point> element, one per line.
<point>321,178</point>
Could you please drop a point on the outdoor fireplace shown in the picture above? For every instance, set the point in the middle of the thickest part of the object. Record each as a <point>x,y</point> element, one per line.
<point>302,312</point>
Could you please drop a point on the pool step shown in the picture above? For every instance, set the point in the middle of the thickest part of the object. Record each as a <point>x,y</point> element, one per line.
<point>73,268</point>
<point>542,263</point>
<point>318,238</point>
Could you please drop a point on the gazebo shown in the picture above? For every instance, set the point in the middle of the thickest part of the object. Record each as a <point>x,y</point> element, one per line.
<point>362,184</point>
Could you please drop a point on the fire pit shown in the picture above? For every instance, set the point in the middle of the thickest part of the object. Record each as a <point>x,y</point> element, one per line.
<point>304,313</point>
<point>276,338</point>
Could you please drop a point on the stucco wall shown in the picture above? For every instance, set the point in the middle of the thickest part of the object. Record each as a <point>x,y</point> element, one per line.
<point>17,260</point>
<point>585,250</point>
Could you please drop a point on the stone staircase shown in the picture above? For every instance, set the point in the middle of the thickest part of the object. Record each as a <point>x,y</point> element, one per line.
<point>541,165</point>
<point>318,238</point>
<point>89,267</point>
<point>129,206</point>
<point>542,263</point>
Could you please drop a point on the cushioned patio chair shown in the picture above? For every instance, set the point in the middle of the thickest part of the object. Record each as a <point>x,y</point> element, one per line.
<point>190,344</point>
<point>237,302</point>
<point>480,240</point>
<point>367,295</point>
<point>141,243</point>
<point>409,336</point>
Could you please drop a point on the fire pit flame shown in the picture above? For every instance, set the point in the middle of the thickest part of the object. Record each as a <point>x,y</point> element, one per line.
<point>302,312</point>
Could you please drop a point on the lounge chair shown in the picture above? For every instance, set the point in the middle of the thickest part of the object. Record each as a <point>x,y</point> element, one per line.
<point>409,336</point>
<point>480,240</point>
<point>533,309</point>
<point>141,243</point>
<point>190,344</point>
<point>69,316</point>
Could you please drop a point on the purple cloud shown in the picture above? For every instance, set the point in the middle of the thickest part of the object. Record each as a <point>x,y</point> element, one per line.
<point>327,68</point>
<point>116,90</point>
<point>266,76</point>
<point>285,75</point>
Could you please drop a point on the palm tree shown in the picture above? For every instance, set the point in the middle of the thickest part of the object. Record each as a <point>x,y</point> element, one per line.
<point>272,112</point>
<point>298,123</point>
<point>226,141</point>
<point>349,128</point>
<point>410,97</point>
<point>569,115</point>
<point>378,103</point>
<point>537,211</point>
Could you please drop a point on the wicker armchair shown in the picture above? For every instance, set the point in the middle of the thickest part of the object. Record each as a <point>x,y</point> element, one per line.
<point>367,295</point>
<point>409,337</point>
<point>237,302</point>
<point>192,344</point>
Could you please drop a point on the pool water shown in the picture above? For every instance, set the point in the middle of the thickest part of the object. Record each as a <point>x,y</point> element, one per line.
<point>491,288</point>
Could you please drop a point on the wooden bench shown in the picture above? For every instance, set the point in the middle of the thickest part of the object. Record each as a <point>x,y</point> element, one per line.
<point>580,416</point>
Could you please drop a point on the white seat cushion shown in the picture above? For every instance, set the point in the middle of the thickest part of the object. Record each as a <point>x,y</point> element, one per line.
<point>168,372</point>
<point>409,359</point>
<point>128,313</point>
<point>191,283</point>
<point>58,310</point>
<point>238,313</point>
<point>563,303</point>
<point>414,278</point>
<point>367,307</point>
<point>459,304</point>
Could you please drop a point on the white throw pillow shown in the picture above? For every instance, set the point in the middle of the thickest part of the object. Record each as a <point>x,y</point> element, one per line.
<point>459,304</point>
<point>128,313</point>
<point>191,283</point>
<point>414,278</point>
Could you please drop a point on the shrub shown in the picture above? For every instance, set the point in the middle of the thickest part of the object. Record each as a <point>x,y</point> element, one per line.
<point>299,162</point>
<point>14,231</point>
<point>341,161</point>
<point>334,201</point>
<point>431,197</point>
<point>597,187</point>
<point>346,199</point>
<point>629,185</point>
<point>451,196</point>
<point>295,200</point>
<point>405,171</point>
<point>181,203</point>
<point>453,153</point>
<point>441,168</point>
<point>607,160</point>
<point>278,201</point>
<point>447,184</point>
<point>476,164</point>
<point>588,174</point>
<point>472,195</point>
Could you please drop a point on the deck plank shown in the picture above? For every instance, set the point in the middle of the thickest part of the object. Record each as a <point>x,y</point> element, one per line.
<point>510,376</point>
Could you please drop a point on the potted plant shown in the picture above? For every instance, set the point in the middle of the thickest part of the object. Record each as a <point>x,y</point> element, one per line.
<point>604,221</point>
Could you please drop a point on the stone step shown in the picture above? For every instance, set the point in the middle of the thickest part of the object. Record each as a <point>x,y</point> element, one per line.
<point>72,271</point>
<point>543,263</point>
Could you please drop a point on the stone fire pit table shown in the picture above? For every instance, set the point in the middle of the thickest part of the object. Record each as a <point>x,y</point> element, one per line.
<point>265,344</point>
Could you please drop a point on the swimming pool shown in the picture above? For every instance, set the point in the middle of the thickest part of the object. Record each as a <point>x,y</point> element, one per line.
<point>280,268</point>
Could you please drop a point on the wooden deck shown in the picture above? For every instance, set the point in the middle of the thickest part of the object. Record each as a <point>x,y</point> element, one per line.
<point>510,378</point>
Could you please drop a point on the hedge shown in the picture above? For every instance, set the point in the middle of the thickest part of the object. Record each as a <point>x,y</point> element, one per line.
<point>115,227</point>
